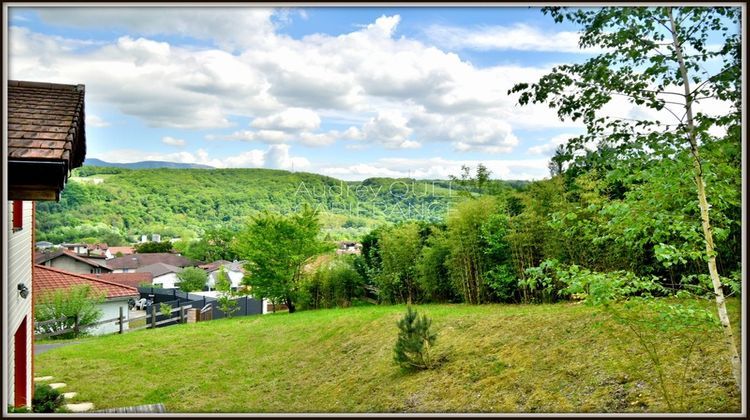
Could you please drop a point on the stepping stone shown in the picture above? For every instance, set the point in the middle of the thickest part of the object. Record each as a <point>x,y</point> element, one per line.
<point>69,395</point>
<point>43,379</point>
<point>80,408</point>
<point>57,385</point>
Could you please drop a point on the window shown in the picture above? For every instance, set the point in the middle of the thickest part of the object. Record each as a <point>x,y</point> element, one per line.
<point>17,215</point>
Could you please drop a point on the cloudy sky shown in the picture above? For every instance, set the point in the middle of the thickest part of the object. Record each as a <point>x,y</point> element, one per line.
<point>347,92</point>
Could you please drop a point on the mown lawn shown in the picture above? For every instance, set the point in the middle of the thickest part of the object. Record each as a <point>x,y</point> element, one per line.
<point>498,358</point>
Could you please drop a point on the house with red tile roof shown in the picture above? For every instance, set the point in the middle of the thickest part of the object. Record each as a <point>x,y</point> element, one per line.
<point>123,250</point>
<point>48,280</point>
<point>46,139</point>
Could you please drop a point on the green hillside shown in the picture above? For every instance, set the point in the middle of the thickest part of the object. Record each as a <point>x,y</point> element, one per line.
<point>117,204</point>
<point>496,358</point>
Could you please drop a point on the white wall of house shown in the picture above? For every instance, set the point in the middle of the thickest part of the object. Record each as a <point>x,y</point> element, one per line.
<point>17,308</point>
<point>111,309</point>
<point>72,265</point>
<point>235,277</point>
<point>166,281</point>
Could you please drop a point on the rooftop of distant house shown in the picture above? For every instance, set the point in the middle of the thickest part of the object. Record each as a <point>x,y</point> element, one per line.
<point>140,260</point>
<point>48,279</point>
<point>41,257</point>
<point>124,250</point>
<point>127,279</point>
<point>212,266</point>
<point>158,269</point>
<point>228,265</point>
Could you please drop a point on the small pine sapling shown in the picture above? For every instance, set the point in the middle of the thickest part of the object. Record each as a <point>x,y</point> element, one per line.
<point>415,342</point>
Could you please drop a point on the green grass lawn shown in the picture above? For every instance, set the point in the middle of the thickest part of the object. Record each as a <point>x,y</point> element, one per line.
<point>498,358</point>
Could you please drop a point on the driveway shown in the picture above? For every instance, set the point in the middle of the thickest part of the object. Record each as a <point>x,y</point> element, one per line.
<point>42,348</point>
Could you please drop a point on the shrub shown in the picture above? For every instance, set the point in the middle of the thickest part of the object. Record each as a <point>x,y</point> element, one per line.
<point>415,342</point>
<point>75,302</point>
<point>192,279</point>
<point>335,283</point>
<point>46,399</point>
<point>166,310</point>
<point>227,304</point>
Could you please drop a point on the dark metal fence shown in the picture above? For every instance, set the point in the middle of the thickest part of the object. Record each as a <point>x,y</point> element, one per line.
<point>175,297</point>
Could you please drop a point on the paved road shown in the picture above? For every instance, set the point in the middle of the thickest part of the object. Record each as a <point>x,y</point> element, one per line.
<point>41,348</point>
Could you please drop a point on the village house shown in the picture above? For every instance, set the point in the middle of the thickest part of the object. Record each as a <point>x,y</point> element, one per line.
<point>349,248</point>
<point>99,251</point>
<point>164,275</point>
<point>69,261</point>
<point>119,251</point>
<point>46,139</point>
<point>42,245</point>
<point>49,280</point>
<point>234,270</point>
<point>80,249</point>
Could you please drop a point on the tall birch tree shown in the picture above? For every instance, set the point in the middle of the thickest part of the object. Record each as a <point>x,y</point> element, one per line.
<point>675,67</point>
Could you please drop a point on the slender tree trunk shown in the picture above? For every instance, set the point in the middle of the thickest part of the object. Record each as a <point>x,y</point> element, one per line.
<point>705,221</point>
<point>290,305</point>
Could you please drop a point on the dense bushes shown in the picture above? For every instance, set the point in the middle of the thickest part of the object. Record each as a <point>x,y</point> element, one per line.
<point>631,223</point>
<point>333,283</point>
<point>46,399</point>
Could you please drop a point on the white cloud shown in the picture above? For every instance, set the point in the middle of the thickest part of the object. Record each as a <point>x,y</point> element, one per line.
<point>227,27</point>
<point>519,36</point>
<point>93,120</point>
<point>291,119</point>
<point>548,148</point>
<point>283,84</point>
<point>171,141</point>
<point>438,168</point>
<point>264,136</point>
<point>391,91</point>
<point>390,129</point>
<point>276,156</point>
<point>318,140</point>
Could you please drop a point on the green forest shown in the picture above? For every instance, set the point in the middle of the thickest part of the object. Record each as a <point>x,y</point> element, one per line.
<point>117,205</point>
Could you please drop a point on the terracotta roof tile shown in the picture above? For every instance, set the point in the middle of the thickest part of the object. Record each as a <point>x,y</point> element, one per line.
<point>46,121</point>
<point>47,279</point>
<point>125,250</point>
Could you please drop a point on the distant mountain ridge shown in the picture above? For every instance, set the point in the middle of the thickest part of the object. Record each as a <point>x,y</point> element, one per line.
<point>146,164</point>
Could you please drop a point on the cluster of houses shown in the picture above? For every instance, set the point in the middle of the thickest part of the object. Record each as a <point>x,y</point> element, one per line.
<point>131,269</point>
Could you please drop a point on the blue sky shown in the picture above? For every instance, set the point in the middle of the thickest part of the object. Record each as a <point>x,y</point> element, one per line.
<point>348,92</point>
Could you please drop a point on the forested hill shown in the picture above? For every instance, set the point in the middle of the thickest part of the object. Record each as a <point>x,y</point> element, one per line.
<point>146,164</point>
<point>118,205</point>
